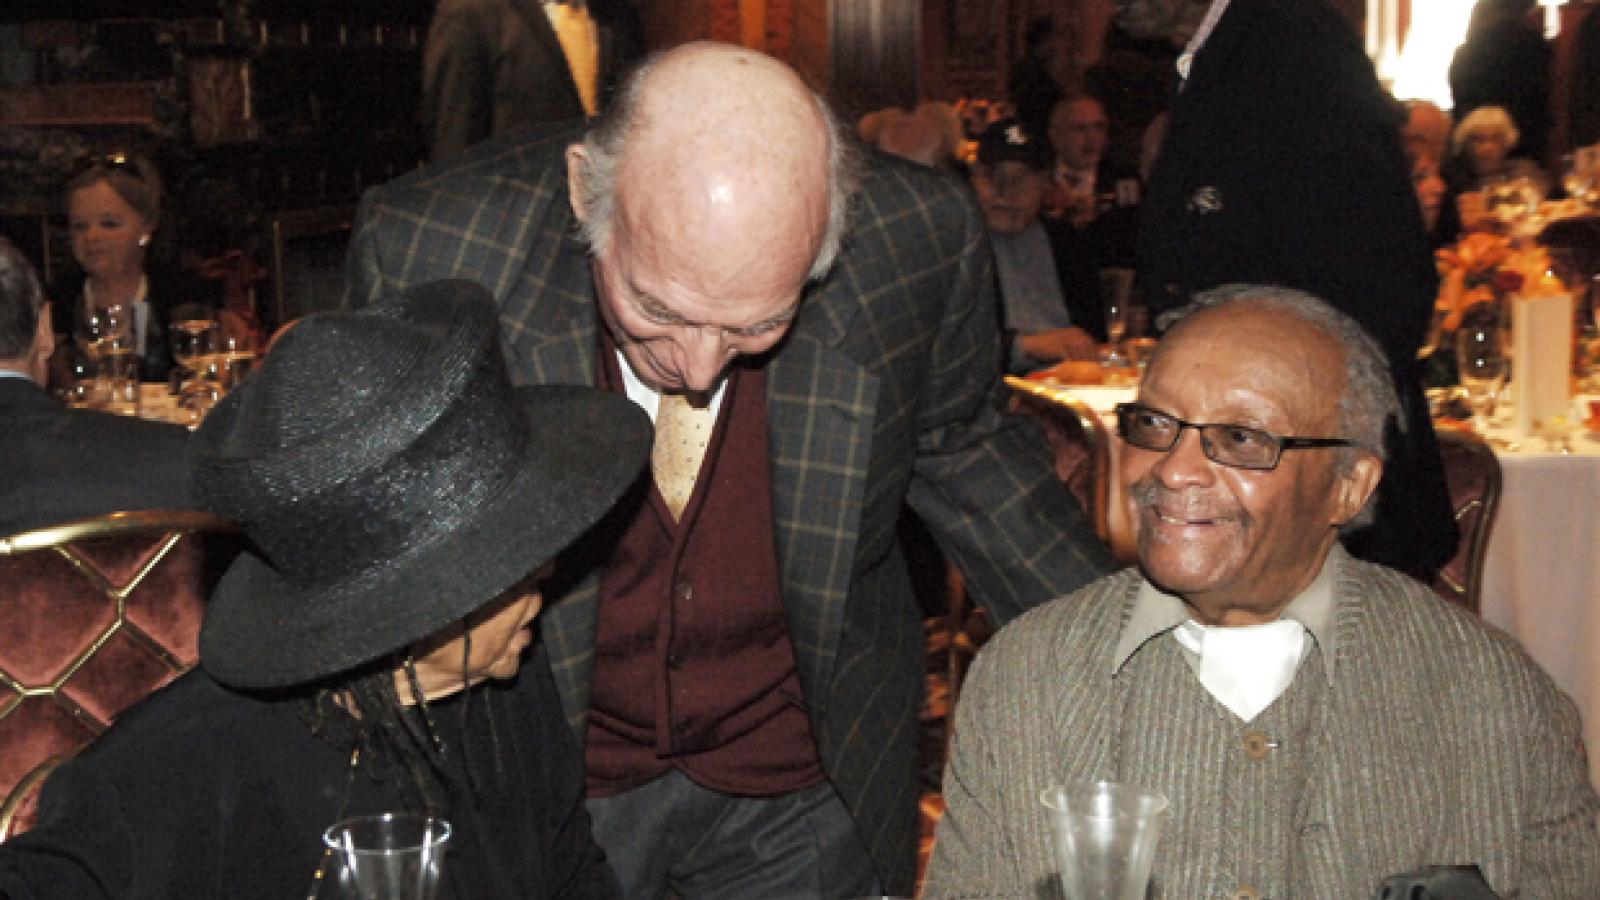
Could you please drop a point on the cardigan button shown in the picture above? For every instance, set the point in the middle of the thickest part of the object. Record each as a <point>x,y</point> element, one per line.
<point>683,591</point>
<point>1257,745</point>
<point>1246,892</point>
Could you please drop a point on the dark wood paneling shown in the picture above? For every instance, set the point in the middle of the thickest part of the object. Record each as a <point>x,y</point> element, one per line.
<point>875,54</point>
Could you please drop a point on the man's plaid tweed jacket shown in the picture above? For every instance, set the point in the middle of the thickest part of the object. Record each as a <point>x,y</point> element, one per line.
<point>885,391</point>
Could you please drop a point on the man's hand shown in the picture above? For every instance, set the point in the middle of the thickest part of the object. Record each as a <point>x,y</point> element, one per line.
<point>1058,344</point>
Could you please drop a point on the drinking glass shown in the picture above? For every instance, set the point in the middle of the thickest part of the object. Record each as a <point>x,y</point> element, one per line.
<point>1105,837</point>
<point>390,856</point>
<point>94,336</point>
<point>123,376</point>
<point>191,338</point>
<point>1481,364</point>
<point>1116,288</point>
<point>1512,201</point>
<point>236,356</point>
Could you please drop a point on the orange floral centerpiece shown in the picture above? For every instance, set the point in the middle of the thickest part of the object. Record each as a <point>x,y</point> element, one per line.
<point>1486,267</point>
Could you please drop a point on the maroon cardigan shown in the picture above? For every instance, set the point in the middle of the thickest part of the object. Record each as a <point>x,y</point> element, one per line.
<point>694,668</point>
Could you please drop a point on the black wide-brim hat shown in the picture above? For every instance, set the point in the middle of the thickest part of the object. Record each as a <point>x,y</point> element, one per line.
<point>391,481</point>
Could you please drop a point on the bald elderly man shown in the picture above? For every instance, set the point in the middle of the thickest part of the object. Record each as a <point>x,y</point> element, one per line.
<point>815,338</point>
<point>1320,725</point>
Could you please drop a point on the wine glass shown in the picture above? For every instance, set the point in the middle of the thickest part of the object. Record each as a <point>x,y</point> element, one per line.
<point>1481,365</point>
<point>191,340</point>
<point>236,356</point>
<point>1116,287</point>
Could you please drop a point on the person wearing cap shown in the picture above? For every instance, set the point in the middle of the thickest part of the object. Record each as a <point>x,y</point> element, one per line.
<point>366,653</point>
<point>1047,318</point>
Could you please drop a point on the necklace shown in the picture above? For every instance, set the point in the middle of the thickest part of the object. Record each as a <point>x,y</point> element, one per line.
<point>344,804</point>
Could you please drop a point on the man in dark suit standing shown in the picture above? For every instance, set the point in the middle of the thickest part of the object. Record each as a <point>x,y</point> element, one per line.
<point>64,464</point>
<point>492,66</point>
<point>1282,165</point>
<point>1506,62</point>
<point>741,652</point>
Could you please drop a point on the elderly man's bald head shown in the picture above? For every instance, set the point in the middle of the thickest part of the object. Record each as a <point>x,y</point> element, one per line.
<point>715,187</point>
<point>727,130</point>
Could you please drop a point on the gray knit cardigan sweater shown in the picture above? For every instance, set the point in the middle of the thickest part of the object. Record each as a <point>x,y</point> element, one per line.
<point>1434,739</point>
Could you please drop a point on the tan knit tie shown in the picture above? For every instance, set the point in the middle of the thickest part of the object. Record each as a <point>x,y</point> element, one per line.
<point>682,432</point>
<point>580,43</point>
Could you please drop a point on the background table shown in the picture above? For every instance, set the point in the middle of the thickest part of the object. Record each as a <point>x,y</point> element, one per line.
<point>1541,580</point>
<point>156,402</point>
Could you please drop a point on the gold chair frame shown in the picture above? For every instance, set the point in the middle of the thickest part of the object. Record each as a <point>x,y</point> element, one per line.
<point>1076,420</point>
<point>173,526</point>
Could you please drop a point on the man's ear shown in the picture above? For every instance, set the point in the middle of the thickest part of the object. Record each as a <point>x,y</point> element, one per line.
<point>1355,486</point>
<point>577,167</point>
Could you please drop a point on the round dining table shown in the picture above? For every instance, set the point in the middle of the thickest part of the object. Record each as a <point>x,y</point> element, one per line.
<point>1541,577</point>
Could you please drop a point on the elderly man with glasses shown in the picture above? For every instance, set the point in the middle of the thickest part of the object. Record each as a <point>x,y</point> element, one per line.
<point>1322,726</point>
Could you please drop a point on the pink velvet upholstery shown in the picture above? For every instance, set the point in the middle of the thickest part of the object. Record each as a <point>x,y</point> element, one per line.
<point>93,617</point>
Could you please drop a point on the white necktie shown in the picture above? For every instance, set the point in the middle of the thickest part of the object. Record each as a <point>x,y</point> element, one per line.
<point>682,432</point>
<point>1245,668</point>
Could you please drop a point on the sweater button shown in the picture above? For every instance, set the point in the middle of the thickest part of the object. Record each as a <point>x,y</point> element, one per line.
<point>683,591</point>
<point>1257,745</point>
<point>1246,892</point>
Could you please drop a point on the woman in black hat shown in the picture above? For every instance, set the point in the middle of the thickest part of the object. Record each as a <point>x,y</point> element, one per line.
<point>401,501</point>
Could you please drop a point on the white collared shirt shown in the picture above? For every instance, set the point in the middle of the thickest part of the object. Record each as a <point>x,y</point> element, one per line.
<point>648,398</point>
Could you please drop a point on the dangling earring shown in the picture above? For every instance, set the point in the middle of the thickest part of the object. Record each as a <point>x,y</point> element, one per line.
<point>144,240</point>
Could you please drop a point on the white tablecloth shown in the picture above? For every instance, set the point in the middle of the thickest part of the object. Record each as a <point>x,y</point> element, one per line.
<point>1541,578</point>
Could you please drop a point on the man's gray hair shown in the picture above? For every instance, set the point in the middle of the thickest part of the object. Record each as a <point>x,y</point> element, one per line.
<point>604,143</point>
<point>20,299</point>
<point>1369,402</point>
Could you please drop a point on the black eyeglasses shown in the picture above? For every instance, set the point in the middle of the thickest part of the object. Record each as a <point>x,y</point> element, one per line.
<point>1236,446</point>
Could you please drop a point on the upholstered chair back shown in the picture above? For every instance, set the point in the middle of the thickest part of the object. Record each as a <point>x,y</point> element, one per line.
<point>94,615</point>
<point>1473,475</point>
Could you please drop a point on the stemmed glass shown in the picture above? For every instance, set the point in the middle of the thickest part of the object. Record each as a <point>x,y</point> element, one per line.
<point>1116,287</point>
<point>236,356</point>
<point>193,343</point>
<point>1481,364</point>
<point>102,340</point>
